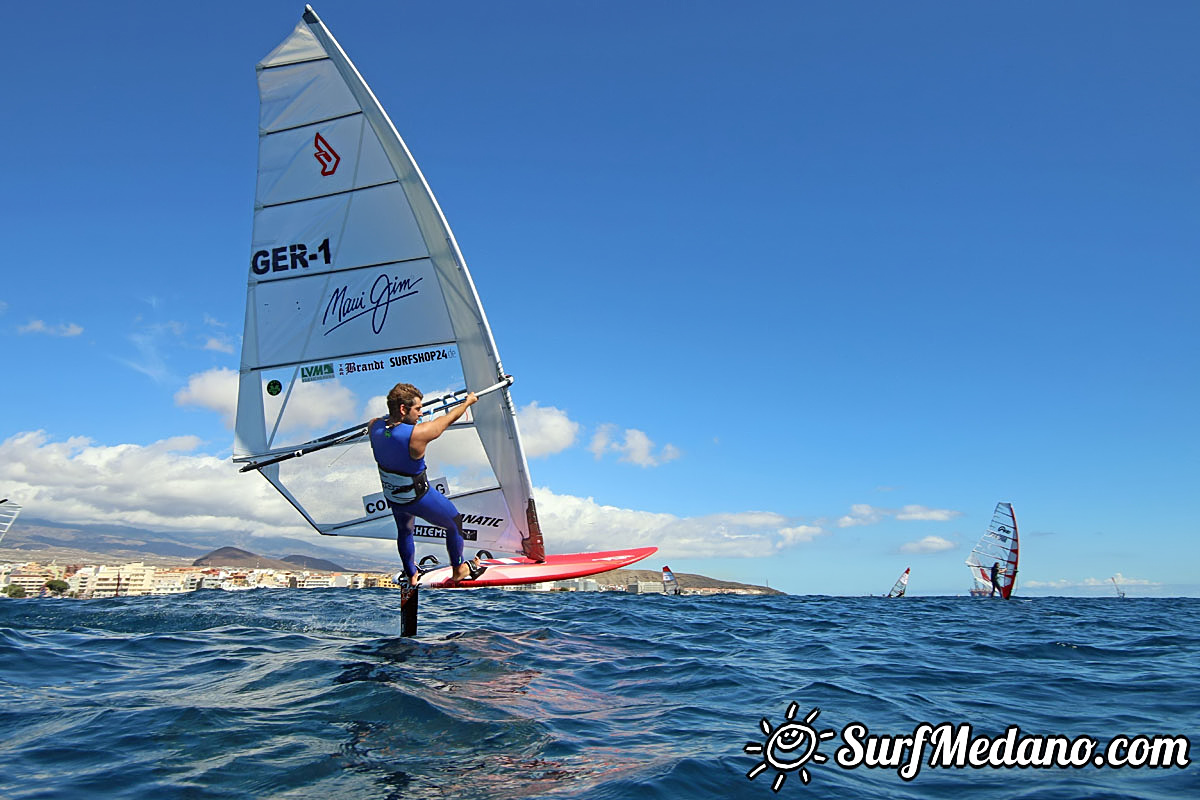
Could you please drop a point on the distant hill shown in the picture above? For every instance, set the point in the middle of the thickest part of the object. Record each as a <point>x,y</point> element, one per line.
<point>244,559</point>
<point>315,564</point>
<point>624,577</point>
<point>44,540</point>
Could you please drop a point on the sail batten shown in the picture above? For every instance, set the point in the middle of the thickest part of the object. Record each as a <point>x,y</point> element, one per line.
<point>283,203</point>
<point>356,283</point>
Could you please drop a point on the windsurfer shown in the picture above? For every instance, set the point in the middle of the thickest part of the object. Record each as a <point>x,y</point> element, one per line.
<point>398,442</point>
<point>995,577</point>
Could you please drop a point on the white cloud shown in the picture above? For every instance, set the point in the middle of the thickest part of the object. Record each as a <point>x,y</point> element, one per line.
<point>219,344</point>
<point>601,441</point>
<point>864,514</point>
<point>164,486</point>
<point>800,533</point>
<point>545,431</point>
<point>930,544</point>
<point>635,448</point>
<point>581,524</point>
<point>3,306</point>
<point>38,326</point>
<point>215,390</point>
<point>927,514</point>
<point>861,514</point>
<point>168,485</point>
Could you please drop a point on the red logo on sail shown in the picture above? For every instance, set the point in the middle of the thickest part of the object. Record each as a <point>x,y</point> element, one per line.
<point>326,155</point>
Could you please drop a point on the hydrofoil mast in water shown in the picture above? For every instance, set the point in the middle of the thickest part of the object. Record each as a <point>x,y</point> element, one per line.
<point>355,283</point>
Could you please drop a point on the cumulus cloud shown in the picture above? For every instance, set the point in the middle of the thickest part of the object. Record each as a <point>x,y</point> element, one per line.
<point>864,514</point>
<point>800,534</point>
<point>580,523</point>
<point>169,485</point>
<point>165,485</point>
<point>861,514</point>
<point>63,329</point>
<point>930,544</point>
<point>635,447</point>
<point>215,390</point>
<point>219,344</point>
<point>545,431</point>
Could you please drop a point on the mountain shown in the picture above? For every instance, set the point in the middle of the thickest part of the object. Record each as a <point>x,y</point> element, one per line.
<point>45,540</point>
<point>624,577</point>
<point>315,564</point>
<point>244,559</point>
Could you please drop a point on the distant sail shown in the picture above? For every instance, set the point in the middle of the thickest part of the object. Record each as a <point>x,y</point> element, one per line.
<point>999,547</point>
<point>1117,586</point>
<point>901,585</point>
<point>9,511</point>
<point>355,283</point>
<point>670,585</point>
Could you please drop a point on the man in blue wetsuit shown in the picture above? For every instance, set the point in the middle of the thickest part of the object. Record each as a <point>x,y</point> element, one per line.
<point>398,442</point>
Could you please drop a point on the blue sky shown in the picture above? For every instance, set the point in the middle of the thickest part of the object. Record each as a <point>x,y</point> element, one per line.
<point>800,290</point>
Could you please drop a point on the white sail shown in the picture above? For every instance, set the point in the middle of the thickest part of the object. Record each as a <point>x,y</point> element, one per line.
<point>999,547</point>
<point>9,511</point>
<point>901,585</point>
<point>355,283</point>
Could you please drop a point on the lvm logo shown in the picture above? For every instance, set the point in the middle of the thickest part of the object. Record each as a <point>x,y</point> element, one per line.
<point>317,372</point>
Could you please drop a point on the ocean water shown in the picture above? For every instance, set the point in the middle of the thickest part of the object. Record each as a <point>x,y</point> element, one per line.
<point>311,694</point>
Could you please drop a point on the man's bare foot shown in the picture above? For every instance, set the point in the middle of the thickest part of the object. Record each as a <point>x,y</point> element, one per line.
<point>463,571</point>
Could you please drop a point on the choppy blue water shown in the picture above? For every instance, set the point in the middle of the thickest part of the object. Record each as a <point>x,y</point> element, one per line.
<point>310,694</point>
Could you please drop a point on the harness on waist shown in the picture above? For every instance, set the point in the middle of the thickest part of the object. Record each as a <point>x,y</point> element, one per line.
<point>402,488</point>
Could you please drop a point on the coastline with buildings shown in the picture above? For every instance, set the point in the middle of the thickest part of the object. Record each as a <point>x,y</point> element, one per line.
<point>41,558</point>
<point>25,579</point>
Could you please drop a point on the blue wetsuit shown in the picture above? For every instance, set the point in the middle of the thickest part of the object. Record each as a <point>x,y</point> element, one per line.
<point>398,472</point>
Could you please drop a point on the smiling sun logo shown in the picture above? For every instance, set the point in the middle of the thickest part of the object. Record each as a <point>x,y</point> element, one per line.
<point>788,747</point>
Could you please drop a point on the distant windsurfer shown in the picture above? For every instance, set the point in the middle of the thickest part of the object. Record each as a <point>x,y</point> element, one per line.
<point>398,442</point>
<point>995,577</point>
